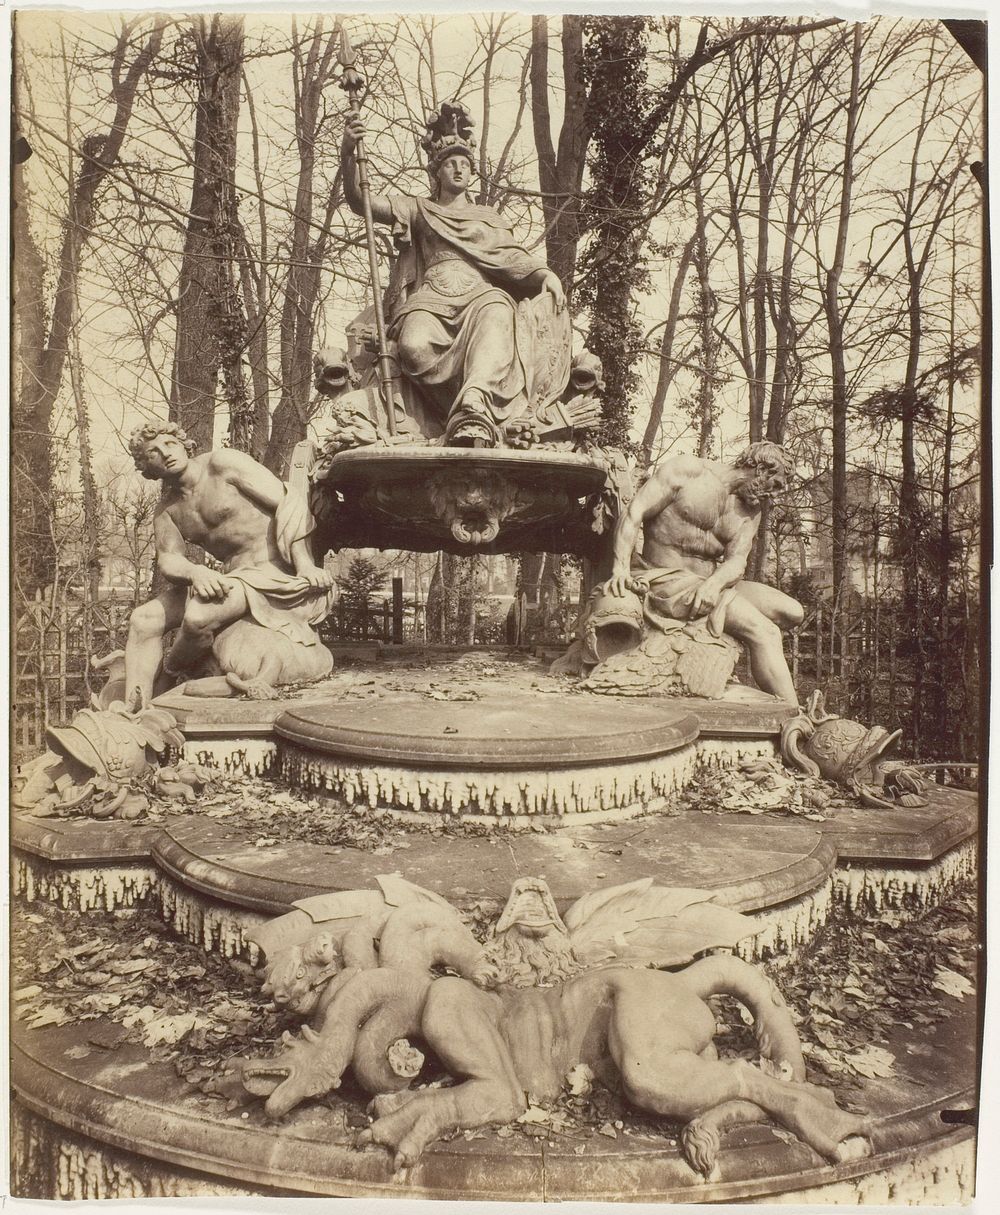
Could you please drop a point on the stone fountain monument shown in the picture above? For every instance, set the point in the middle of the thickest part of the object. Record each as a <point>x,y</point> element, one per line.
<point>551,921</point>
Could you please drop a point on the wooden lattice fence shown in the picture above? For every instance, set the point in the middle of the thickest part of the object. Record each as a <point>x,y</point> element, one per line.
<point>54,641</point>
<point>866,663</point>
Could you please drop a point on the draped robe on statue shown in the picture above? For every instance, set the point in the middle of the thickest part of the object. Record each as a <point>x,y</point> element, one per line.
<point>470,338</point>
<point>279,599</point>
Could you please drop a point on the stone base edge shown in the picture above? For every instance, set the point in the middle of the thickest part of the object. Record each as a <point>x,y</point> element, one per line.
<point>53,1160</point>
<point>222,927</point>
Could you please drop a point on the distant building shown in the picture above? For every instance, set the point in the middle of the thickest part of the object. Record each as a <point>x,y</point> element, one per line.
<point>811,551</point>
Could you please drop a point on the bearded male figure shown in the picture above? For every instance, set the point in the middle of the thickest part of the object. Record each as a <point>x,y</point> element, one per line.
<point>247,519</point>
<point>699,518</point>
<point>462,340</point>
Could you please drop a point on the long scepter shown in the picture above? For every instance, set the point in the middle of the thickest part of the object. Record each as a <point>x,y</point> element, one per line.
<point>352,82</point>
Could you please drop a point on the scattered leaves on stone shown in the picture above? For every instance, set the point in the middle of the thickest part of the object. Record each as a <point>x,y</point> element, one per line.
<point>849,991</point>
<point>859,980</point>
<point>761,786</point>
<point>953,984</point>
<point>156,991</point>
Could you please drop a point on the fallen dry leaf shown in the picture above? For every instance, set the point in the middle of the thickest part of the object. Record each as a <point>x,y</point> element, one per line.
<point>953,984</point>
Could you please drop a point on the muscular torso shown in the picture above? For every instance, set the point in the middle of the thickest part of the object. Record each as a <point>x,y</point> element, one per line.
<point>216,515</point>
<point>697,527</point>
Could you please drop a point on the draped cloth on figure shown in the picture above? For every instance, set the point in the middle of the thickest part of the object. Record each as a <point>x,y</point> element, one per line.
<point>279,600</point>
<point>671,595</point>
<point>453,307</point>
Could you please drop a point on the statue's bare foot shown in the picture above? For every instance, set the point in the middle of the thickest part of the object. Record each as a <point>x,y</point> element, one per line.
<point>821,1122</point>
<point>854,1147</point>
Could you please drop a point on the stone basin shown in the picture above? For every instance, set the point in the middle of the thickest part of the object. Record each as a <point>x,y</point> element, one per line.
<point>416,498</point>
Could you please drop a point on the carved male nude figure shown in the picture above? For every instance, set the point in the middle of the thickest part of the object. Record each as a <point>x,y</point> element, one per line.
<point>699,519</point>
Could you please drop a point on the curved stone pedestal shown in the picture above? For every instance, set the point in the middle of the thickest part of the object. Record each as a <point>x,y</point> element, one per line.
<point>539,757</point>
<point>215,885</point>
<point>503,758</point>
<point>117,1124</point>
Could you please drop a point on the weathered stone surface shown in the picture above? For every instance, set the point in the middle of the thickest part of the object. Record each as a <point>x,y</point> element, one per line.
<point>123,1100</point>
<point>758,861</point>
<point>205,717</point>
<point>751,864</point>
<point>906,835</point>
<point>461,500</point>
<point>502,733</point>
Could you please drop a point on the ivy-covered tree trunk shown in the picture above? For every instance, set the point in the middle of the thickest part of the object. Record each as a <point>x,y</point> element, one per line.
<point>33,551</point>
<point>614,67</point>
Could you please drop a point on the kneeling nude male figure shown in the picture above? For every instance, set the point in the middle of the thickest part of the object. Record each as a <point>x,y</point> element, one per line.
<point>244,517</point>
<point>699,519</point>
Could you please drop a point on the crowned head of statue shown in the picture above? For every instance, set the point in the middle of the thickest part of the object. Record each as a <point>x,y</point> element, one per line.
<point>450,147</point>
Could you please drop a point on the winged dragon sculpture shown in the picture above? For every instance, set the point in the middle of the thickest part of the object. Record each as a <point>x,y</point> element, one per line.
<point>382,974</point>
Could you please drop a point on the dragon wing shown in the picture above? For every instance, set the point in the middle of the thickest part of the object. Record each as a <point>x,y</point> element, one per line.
<point>339,912</point>
<point>648,925</point>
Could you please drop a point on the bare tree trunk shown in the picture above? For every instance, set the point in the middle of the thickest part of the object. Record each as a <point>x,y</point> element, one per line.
<point>667,364</point>
<point>44,359</point>
<point>945,539</point>
<point>91,500</point>
<point>708,342</point>
<point>560,168</point>
<point>835,324</point>
<point>313,68</point>
<point>211,326</point>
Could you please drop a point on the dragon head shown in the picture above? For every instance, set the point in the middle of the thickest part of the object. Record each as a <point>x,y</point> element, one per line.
<point>530,946</point>
<point>301,1069</point>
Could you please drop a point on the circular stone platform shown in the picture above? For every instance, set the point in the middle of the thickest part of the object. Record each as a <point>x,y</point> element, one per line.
<point>503,733</point>
<point>118,1123</point>
<point>499,757</point>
